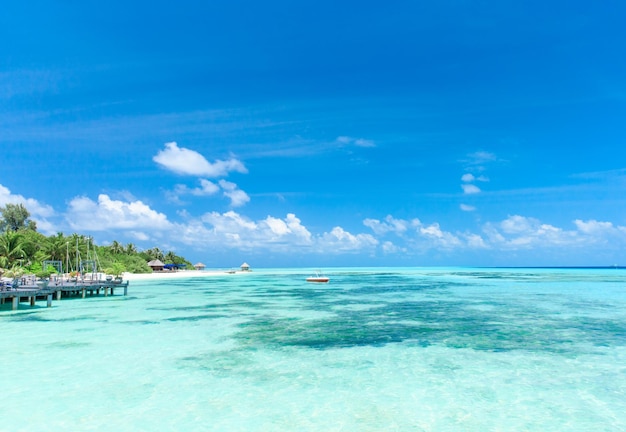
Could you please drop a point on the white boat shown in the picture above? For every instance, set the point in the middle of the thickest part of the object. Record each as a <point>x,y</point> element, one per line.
<point>318,277</point>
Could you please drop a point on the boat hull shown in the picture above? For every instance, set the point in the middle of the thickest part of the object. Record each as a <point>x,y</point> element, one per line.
<point>317,279</point>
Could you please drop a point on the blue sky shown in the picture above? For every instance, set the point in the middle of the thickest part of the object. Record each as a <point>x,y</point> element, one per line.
<point>321,133</point>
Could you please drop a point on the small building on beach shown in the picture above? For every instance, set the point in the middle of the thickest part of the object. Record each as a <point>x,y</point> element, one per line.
<point>245,267</point>
<point>156,265</point>
<point>199,266</point>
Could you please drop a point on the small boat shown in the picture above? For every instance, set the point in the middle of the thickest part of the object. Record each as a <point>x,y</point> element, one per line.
<point>318,277</point>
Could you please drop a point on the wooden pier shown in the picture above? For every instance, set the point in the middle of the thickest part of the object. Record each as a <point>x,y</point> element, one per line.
<point>27,289</point>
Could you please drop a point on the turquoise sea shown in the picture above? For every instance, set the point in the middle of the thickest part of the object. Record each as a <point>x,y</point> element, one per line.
<point>376,349</point>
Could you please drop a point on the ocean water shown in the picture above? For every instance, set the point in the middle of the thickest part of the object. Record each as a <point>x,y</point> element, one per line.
<point>377,349</point>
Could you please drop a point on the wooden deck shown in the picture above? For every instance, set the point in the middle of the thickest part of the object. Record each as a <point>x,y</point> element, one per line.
<point>31,290</point>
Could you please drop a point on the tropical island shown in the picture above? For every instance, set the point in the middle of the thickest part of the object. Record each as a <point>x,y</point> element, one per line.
<point>24,250</point>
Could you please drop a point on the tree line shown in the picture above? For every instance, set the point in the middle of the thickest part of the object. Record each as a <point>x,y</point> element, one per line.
<point>25,250</point>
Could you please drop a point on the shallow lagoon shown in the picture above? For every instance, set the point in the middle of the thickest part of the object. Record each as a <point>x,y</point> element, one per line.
<point>419,349</point>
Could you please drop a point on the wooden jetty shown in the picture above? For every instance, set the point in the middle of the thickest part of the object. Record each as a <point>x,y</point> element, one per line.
<point>31,290</point>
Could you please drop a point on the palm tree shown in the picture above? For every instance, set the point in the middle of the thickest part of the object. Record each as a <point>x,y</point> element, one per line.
<point>155,253</point>
<point>171,257</point>
<point>10,249</point>
<point>55,247</point>
<point>116,247</point>
<point>131,249</point>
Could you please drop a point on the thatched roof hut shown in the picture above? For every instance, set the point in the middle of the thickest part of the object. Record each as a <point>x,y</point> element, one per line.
<point>245,267</point>
<point>199,266</point>
<point>156,265</point>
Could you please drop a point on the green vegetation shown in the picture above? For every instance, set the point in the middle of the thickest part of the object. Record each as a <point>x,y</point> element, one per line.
<point>24,250</point>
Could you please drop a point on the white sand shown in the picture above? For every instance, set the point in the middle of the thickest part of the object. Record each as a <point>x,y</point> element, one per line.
<point>178,274</point>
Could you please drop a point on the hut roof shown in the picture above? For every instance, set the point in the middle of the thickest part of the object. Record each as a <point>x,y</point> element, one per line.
<point>199,265</point>
<point>245,265</point>
<point>155,263</point>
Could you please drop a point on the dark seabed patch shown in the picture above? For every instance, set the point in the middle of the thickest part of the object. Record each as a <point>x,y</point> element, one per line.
<point>389,308</point>
<point>68,345</point>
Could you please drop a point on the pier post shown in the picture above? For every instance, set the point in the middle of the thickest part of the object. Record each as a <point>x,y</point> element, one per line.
<point>49,300</point>
<point>59,294</point>
<point>125,289</point>
<point>106,291</point>
<point>84,292</point>
<point>32,300</point>
<point>16,300</point>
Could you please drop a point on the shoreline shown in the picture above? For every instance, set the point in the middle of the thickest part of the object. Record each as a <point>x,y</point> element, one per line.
<point>178,274</point>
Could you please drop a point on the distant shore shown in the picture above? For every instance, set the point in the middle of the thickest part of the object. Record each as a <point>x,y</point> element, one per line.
<point>159,275</point>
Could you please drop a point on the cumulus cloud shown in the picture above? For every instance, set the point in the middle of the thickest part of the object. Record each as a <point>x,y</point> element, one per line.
<point>339,240</point>
<point>519,232</point>
<point>206,188</point>
<point>189,162</point>
<point>389,248</point>
<point>594,227</point>
<point>469,178</point>
<point>470,189</point>
<point>232,230</point>
<point>39,213</point>
<point>390,224</point>
<point>439,238</point>
<point>467,208</point>
<point>34,207</point>
<point>106,214</point>
<point>236,195</point>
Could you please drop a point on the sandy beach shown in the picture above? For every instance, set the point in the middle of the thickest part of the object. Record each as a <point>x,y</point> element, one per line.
<point>179,274</point>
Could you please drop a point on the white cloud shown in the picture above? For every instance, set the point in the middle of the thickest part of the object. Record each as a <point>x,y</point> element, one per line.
<point>439,238</point>
<point>467,208</point>
<point>421,237</point>
<point>470,189</point>
<point>481,157</point>
<point>106,214</point>
<point>390,224</point>
<point>34,207</point>
<point>474,241</point>
<point>339,240</point>
<point>206,188</point>
<point>592,227</point>
<point>189,162</point>
<point>364,143</point>
<point>358,142</point>
<point>39,213</point>
<point>469,178</point>
<point>519,232</point>
<point>236,195</point>
<point>389,248</point>
<point>231,230</point>
<point>139,235</point>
